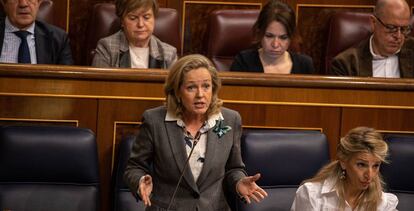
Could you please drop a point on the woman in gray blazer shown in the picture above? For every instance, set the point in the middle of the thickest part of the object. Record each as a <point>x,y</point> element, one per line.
<point>188,151</point>
<point>135,45</point>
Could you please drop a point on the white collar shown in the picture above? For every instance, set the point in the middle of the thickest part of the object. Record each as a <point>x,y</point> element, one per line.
<point>328,186</point>
<point>211,121</point>
<point>9,27</point>
<point>377,56</point>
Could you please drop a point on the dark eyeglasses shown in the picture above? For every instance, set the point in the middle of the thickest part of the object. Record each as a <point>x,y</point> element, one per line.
<point>405,30</point>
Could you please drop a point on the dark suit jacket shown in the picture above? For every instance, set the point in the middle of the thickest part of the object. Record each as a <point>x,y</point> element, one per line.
<point>159,150</point>
<point>249,61</point>
<point>357,61</point>
<point>52,44</point>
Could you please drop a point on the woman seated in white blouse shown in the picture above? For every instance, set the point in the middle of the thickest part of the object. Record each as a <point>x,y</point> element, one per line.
<point>352,181</point>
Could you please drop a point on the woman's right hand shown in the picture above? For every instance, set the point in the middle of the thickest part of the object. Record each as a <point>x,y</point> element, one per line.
<point>145,189</point>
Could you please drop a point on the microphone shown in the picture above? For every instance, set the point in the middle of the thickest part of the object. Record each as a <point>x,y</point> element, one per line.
<point>196,139</point>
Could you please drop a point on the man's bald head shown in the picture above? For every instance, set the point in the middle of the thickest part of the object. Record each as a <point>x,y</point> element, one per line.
<point>385,7</point>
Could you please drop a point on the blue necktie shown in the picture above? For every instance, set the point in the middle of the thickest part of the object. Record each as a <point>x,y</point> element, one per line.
<point>24,53</point>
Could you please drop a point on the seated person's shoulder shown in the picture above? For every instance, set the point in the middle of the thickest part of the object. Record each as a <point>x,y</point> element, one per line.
<point>248,53</point>
<point>300,57</point>
<point>49,28</point>
<point>168,50</point>
<point>389,201</point>
<point>247,61</point>
<point>112,39</point>
<point>230,112</point>
<point>310,187</point>
<point>303,64</point>
<point>409,41</point>
<point>354,50</point>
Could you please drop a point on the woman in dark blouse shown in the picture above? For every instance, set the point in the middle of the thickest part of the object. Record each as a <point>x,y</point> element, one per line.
<point>273,33</point>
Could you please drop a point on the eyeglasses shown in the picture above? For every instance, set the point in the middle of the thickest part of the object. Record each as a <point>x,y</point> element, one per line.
<point>405,30</point>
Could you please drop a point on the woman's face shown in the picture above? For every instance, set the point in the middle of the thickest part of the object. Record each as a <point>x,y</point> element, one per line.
<point>275,40</point>
<point>196,92</point>
<point>138,26</point>
<point>361,170</point>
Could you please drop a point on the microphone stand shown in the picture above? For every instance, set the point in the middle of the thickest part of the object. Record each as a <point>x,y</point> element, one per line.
<point>196,139</point>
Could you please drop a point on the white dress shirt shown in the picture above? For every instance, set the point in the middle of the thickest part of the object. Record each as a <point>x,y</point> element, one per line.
<point>386,67</point>
<point>315,196</point>
<point>11,43</point>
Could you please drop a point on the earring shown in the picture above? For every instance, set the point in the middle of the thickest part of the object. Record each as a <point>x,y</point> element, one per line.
<point>343,174</point>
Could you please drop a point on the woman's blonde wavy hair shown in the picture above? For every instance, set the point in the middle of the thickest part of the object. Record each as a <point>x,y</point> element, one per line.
<point>360,139</point>
<point>175,79</point>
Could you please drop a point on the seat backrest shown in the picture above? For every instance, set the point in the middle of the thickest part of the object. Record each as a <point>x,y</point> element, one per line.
<point>284,158</point>
<point>229,32</point>
<point>123,198</point>
<point>399,173</point>
<point>46,11</point>
<point>48,168</point>
<point>105,22</point>
<point>346,29</point>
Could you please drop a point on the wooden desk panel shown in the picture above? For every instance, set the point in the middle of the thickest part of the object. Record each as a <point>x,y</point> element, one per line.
<point>111,102</point>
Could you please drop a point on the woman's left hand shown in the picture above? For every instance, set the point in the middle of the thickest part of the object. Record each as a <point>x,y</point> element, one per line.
<point>248,189</point>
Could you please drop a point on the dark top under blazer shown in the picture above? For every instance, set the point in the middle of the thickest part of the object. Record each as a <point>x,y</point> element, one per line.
<point>159,150</point>
<point>249,61</point>
<point>52,43</point>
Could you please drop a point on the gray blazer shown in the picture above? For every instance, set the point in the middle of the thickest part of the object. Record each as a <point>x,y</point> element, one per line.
<point>159,150</point>
<point>357,61</point>
<point>113,51</point>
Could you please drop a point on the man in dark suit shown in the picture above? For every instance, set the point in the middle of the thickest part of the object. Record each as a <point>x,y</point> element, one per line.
<point>389,52</point>
<point>23,39</point>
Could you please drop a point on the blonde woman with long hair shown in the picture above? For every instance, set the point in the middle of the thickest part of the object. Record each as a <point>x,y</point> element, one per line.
<point>352,181</point>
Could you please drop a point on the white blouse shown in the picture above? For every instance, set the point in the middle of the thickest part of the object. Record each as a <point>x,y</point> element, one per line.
<point>313,196</point>
<point>139,57</point>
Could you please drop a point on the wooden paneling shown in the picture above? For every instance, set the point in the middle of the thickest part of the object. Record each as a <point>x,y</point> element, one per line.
<point>111,103</point>
<point>388,120</point>
<point>48,110</point>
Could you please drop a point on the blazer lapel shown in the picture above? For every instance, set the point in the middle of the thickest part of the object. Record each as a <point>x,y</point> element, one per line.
<point>43,52</point>
<point>176,140</point>
<point>2,26</point>
<point>406,63</point>
<point>212,141</point>
<point>365,66</point>
<point>154,63</point>
<point>124,59</point>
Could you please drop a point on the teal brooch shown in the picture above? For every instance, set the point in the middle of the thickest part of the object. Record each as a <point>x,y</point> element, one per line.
<point>221,129</point>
